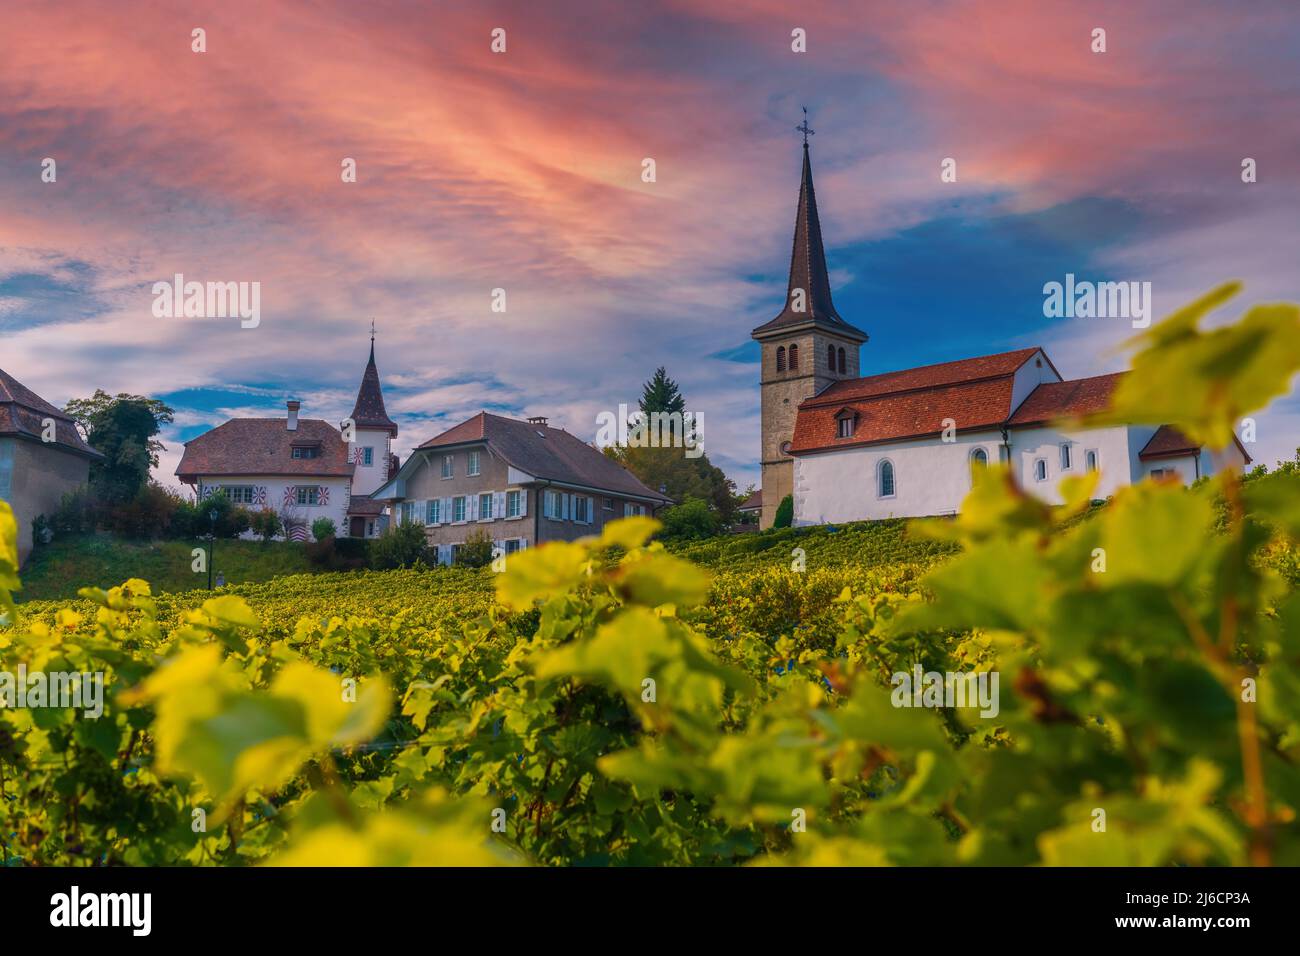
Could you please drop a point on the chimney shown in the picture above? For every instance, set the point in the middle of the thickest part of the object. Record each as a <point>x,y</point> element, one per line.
<point>293,414</point>
<point>537,420</point>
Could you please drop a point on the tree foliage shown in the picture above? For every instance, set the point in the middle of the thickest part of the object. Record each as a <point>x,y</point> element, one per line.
<point>122,427</point>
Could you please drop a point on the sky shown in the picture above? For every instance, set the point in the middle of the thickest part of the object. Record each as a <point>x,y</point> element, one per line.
<point>522,170</point>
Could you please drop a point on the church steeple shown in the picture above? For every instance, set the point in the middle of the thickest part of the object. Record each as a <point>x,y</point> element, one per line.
<point>808,295</point>
<point>369,412</point>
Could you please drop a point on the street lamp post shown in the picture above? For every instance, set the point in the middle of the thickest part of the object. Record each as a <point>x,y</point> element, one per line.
<point>212,543</point>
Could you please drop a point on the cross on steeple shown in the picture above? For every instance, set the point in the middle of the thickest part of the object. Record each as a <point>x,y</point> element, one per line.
<point>372,331</point>
<point>805,128</point>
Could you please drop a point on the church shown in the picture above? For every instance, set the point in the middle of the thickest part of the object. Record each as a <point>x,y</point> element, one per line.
<point>902,444</point>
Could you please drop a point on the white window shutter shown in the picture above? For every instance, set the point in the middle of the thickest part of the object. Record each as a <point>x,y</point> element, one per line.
<point>446,510</point>
<point>498,504</point>
<point>523,501</point>
<point>591,509</point>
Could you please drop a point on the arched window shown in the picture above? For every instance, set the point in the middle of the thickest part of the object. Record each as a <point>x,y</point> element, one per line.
<point>885,479</point>
<point>794,358</point>
<point>1040,469</point>
<point>830,357</point>
<point>842,366</point>
<point>1090,460</point>
<point>780,358</point>
<point>979,458</point>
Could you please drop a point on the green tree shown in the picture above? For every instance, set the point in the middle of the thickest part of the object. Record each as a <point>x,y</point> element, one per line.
<point>400,546</point>
<point>661,394</point>
<point>691,520</point>
<point>784,513</point>
<point>476,550</point>
<point>122,427</point>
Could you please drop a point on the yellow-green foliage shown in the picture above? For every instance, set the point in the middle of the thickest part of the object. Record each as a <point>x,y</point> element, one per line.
<point>615,703</point>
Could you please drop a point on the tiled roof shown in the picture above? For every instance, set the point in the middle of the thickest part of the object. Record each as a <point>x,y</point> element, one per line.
<point>550,454</point>
<point>365,505</point>
<point>263,446</point>
<point>754,502</point>
<point>925,376</point>
<point>808,272</point>
<point>1167,442</point>
<point>23,413</point>
<point>369,411</point>
<point>984,403</point>
<point>1073,399</point>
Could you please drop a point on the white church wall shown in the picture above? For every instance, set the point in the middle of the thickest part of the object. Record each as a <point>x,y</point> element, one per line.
<point>931,477</point>
<point>1112,446</point>
<point>1029,376</point>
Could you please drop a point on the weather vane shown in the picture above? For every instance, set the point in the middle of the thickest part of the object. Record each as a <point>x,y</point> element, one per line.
<point>372,331</point>
<point>805,128</point>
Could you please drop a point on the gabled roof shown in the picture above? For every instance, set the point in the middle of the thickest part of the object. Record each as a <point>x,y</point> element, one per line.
<point>926,376</point>
<point>23,414</point>
<point>1074,399</point>
<point>754,502</point>
<point>264,446</point>
<point>808,272</point>
<point>1168,442</point>
<point>546,453</point>
<point>369,411</point>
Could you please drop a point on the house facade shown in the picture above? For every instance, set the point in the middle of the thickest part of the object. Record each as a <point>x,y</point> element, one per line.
<point>42,457</point>
<point>301,468</point>
<point>520,482</point>
<point>903,444</point>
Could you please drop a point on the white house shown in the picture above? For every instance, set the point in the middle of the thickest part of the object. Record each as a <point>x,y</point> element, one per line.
<point>302,468</point>
<point>903,444</point>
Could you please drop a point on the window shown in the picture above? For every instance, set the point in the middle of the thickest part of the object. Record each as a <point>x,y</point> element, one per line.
<point>886,479</point>
<point>552,507</point>
<point>1159,472</point>
<point>512,504</point>
<point>446,466</point>
<point>609,504</point>
<point>302,452</point>
<point>458,508</point>
<point>1065,456</point>
<point>367,456</point>
<point>473,463</point>
<point>513,544</point>
<point>433,511</point>
<point>485,507</point>
<point>979,458</point>
<point>842,365</point>
<point>780,358</point>
<point>1090,460</point>
<point>1040,469</point>
<point>845,427</point>
<point>239,494</point>
<point>830,357</point>
<point>580,510</point>
<point>794,358</point>
<point>629,510</point>
<point>408,512</point>
<point>307,494</point>
<point>455,553</point>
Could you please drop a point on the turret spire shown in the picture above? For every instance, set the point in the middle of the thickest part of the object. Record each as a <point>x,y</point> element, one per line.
<point>369,411</point>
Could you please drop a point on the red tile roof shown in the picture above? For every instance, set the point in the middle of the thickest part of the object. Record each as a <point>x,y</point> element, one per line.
<point>926,376</point>
<point>894,416</point>
<point>23,414</point>
<point>1168,442</point>
<point>1055,400</point>
<point>264,446</point>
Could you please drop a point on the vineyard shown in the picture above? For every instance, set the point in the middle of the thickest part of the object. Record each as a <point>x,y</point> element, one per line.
<point>608,702</point>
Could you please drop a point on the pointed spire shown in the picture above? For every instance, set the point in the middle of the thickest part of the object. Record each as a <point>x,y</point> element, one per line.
<point>808,295</point>
<point>369,412</point>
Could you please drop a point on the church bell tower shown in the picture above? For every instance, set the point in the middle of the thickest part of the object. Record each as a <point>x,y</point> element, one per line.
<point>804,349</point>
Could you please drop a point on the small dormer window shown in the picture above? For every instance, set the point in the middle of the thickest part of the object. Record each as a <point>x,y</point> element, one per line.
<point>846,421</point>
<point>845,429</point>
<point>301,451</point>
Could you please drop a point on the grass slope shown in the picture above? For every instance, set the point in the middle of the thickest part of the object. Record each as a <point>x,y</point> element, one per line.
<point>58,569</point>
